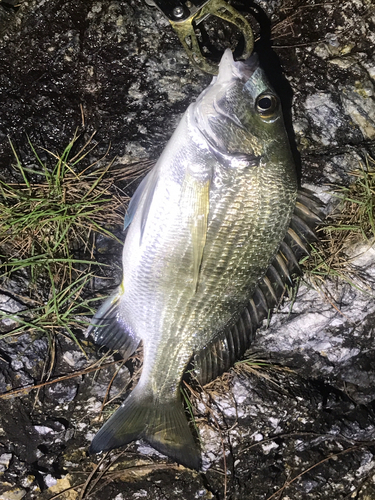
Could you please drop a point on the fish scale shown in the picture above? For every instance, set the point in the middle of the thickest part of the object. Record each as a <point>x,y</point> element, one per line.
<point>207,253</point>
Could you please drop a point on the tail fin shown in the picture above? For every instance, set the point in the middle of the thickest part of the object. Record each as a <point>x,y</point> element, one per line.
<point>162,424</point>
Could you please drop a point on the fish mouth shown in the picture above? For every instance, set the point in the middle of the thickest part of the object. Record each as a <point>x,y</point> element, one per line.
<point>210,108</point>
<point>242,70</point>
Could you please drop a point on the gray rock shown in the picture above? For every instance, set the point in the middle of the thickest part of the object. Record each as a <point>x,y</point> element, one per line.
<point>62,392</point>
<point>5,459</point>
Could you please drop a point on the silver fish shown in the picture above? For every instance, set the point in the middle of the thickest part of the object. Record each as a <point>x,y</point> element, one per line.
<point>206,254</point>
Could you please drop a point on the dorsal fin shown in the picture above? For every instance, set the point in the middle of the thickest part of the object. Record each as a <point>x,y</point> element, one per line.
<point>309,207</point>
<point>280,265</point>
<point>232,342</point>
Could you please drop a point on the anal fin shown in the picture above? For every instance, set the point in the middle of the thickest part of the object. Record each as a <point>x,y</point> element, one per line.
<point>108,329</point>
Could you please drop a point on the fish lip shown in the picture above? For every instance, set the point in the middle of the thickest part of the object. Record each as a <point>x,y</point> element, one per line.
<point>242,70</point>
<point>230,71</point>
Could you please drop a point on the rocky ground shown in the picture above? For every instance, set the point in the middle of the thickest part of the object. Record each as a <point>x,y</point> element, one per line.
<point>297,423</point>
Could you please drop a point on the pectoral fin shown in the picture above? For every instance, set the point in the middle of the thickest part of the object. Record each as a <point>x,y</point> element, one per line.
<point>195,203</point>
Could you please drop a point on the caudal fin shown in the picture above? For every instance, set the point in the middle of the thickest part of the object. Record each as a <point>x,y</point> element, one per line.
<point>163,425</point>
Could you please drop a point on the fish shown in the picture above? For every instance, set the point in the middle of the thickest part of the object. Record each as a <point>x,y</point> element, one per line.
<point>214,232</point>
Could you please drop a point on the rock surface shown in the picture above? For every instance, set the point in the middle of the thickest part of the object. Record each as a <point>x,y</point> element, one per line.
<point>303,425</point>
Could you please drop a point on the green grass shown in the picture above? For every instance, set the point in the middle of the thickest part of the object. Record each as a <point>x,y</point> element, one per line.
<point>260,368</point>
<point>64,312</point>
<point>51,218</point>
<point>189,406</point>
<point>58,214</point>
<point>353,221</point>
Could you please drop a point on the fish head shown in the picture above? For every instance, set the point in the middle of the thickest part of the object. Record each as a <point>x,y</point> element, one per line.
<point>240,114</point>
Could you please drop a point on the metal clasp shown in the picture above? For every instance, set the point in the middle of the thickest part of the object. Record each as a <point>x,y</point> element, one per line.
<point>185,16</point>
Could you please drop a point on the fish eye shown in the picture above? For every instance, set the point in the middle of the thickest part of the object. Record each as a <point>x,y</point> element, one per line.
<point>266,105</point>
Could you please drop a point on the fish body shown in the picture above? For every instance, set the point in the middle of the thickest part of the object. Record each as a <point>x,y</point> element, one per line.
<point>205,226</point>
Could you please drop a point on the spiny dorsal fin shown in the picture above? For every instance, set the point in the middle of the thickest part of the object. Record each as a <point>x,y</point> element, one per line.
<point>309,207</point>
<point>232,342</point>
<point>290,258</point>
<point>294,238</point>
<point>280,265</point>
